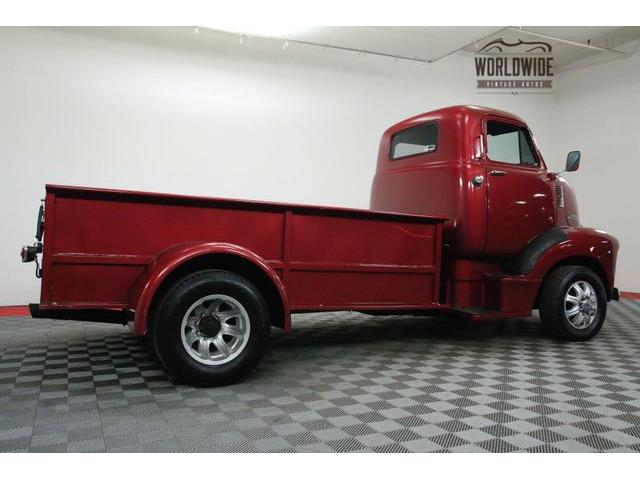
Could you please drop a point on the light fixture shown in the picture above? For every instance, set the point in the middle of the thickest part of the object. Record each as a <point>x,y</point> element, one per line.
<point>269,31</point>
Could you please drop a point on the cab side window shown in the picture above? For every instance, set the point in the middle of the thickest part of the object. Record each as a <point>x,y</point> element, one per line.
<point>415,141</point>
<point>510,144</point>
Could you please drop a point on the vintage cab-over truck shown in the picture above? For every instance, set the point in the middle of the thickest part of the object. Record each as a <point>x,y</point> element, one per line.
<point>465,221</point>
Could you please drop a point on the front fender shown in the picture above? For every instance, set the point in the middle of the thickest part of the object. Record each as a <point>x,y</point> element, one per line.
<point>583,243</point>
<point>146,286</point>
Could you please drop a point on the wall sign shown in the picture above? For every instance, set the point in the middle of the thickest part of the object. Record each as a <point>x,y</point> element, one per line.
<point>514,67</point>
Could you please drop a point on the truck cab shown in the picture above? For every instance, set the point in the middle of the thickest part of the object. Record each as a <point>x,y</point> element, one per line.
<point>508,215</point>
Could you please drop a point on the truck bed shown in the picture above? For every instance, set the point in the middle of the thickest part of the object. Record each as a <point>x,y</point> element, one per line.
<point>98,243</point>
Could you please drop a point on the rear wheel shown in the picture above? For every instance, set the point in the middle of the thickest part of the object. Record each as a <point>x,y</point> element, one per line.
<point>211,328</point>
<point>573,303</point>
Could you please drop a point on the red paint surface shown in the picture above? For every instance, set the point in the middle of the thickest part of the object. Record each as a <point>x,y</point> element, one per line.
<point>488,223</point>
<point>113,249</point>
<point>495,219</point>
<point>443,251</point>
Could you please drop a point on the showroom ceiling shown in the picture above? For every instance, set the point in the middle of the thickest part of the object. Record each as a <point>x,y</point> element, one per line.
<point>434,43</point>
<point>426,44</point>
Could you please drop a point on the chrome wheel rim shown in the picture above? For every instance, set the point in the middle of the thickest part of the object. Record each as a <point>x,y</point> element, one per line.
<point>581,305</point>
<point>215,329</point>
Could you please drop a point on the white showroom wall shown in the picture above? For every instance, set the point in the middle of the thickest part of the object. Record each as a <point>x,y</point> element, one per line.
<point>203,114</point>
<point>598,107</point>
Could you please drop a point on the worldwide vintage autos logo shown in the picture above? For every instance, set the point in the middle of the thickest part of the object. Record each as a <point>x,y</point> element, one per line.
<point>514,67</point>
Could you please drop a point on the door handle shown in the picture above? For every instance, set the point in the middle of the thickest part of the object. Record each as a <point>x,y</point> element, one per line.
<point>498,173</point>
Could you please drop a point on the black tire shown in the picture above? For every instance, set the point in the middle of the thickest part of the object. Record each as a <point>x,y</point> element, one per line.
<point>168,327</point>
<point>151,345</point>
<point>552,302</point>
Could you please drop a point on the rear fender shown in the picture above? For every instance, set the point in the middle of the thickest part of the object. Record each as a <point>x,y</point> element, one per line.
<point>164,263</point>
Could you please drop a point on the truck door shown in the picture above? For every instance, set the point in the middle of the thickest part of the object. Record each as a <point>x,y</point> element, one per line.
<point>520,195</point>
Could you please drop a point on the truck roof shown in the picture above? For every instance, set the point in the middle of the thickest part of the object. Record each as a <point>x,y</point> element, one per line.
<point>463,112</point>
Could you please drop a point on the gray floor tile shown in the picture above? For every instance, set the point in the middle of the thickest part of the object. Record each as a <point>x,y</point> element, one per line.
<point>341,382</point>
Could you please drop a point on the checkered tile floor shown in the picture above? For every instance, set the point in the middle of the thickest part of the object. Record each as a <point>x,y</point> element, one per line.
<point>340,383</point>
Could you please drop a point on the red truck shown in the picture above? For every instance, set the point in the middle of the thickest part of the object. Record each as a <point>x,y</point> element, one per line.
<point>465,221</point>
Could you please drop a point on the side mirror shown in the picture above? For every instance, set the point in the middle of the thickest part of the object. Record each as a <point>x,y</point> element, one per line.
<point>573,161</point>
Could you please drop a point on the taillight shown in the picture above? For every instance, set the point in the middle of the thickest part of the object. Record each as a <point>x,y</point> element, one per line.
<point>29,253</point>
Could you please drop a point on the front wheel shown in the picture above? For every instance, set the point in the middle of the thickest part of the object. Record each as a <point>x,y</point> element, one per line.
<point>211,328</point>
<point>573,303</point>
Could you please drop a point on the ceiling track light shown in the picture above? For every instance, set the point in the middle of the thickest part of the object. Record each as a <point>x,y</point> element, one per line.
<point>287,42</point>
<point>588,45</point>
<point>395,57</point>
<point>359,51</point>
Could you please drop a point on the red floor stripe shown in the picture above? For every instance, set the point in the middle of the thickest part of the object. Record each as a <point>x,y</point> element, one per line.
<point>14,311</point>
<point>631,295</point>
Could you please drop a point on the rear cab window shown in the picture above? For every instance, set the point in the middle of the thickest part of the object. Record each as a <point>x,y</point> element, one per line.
<point>512,144</point>
<point>414,141</point>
